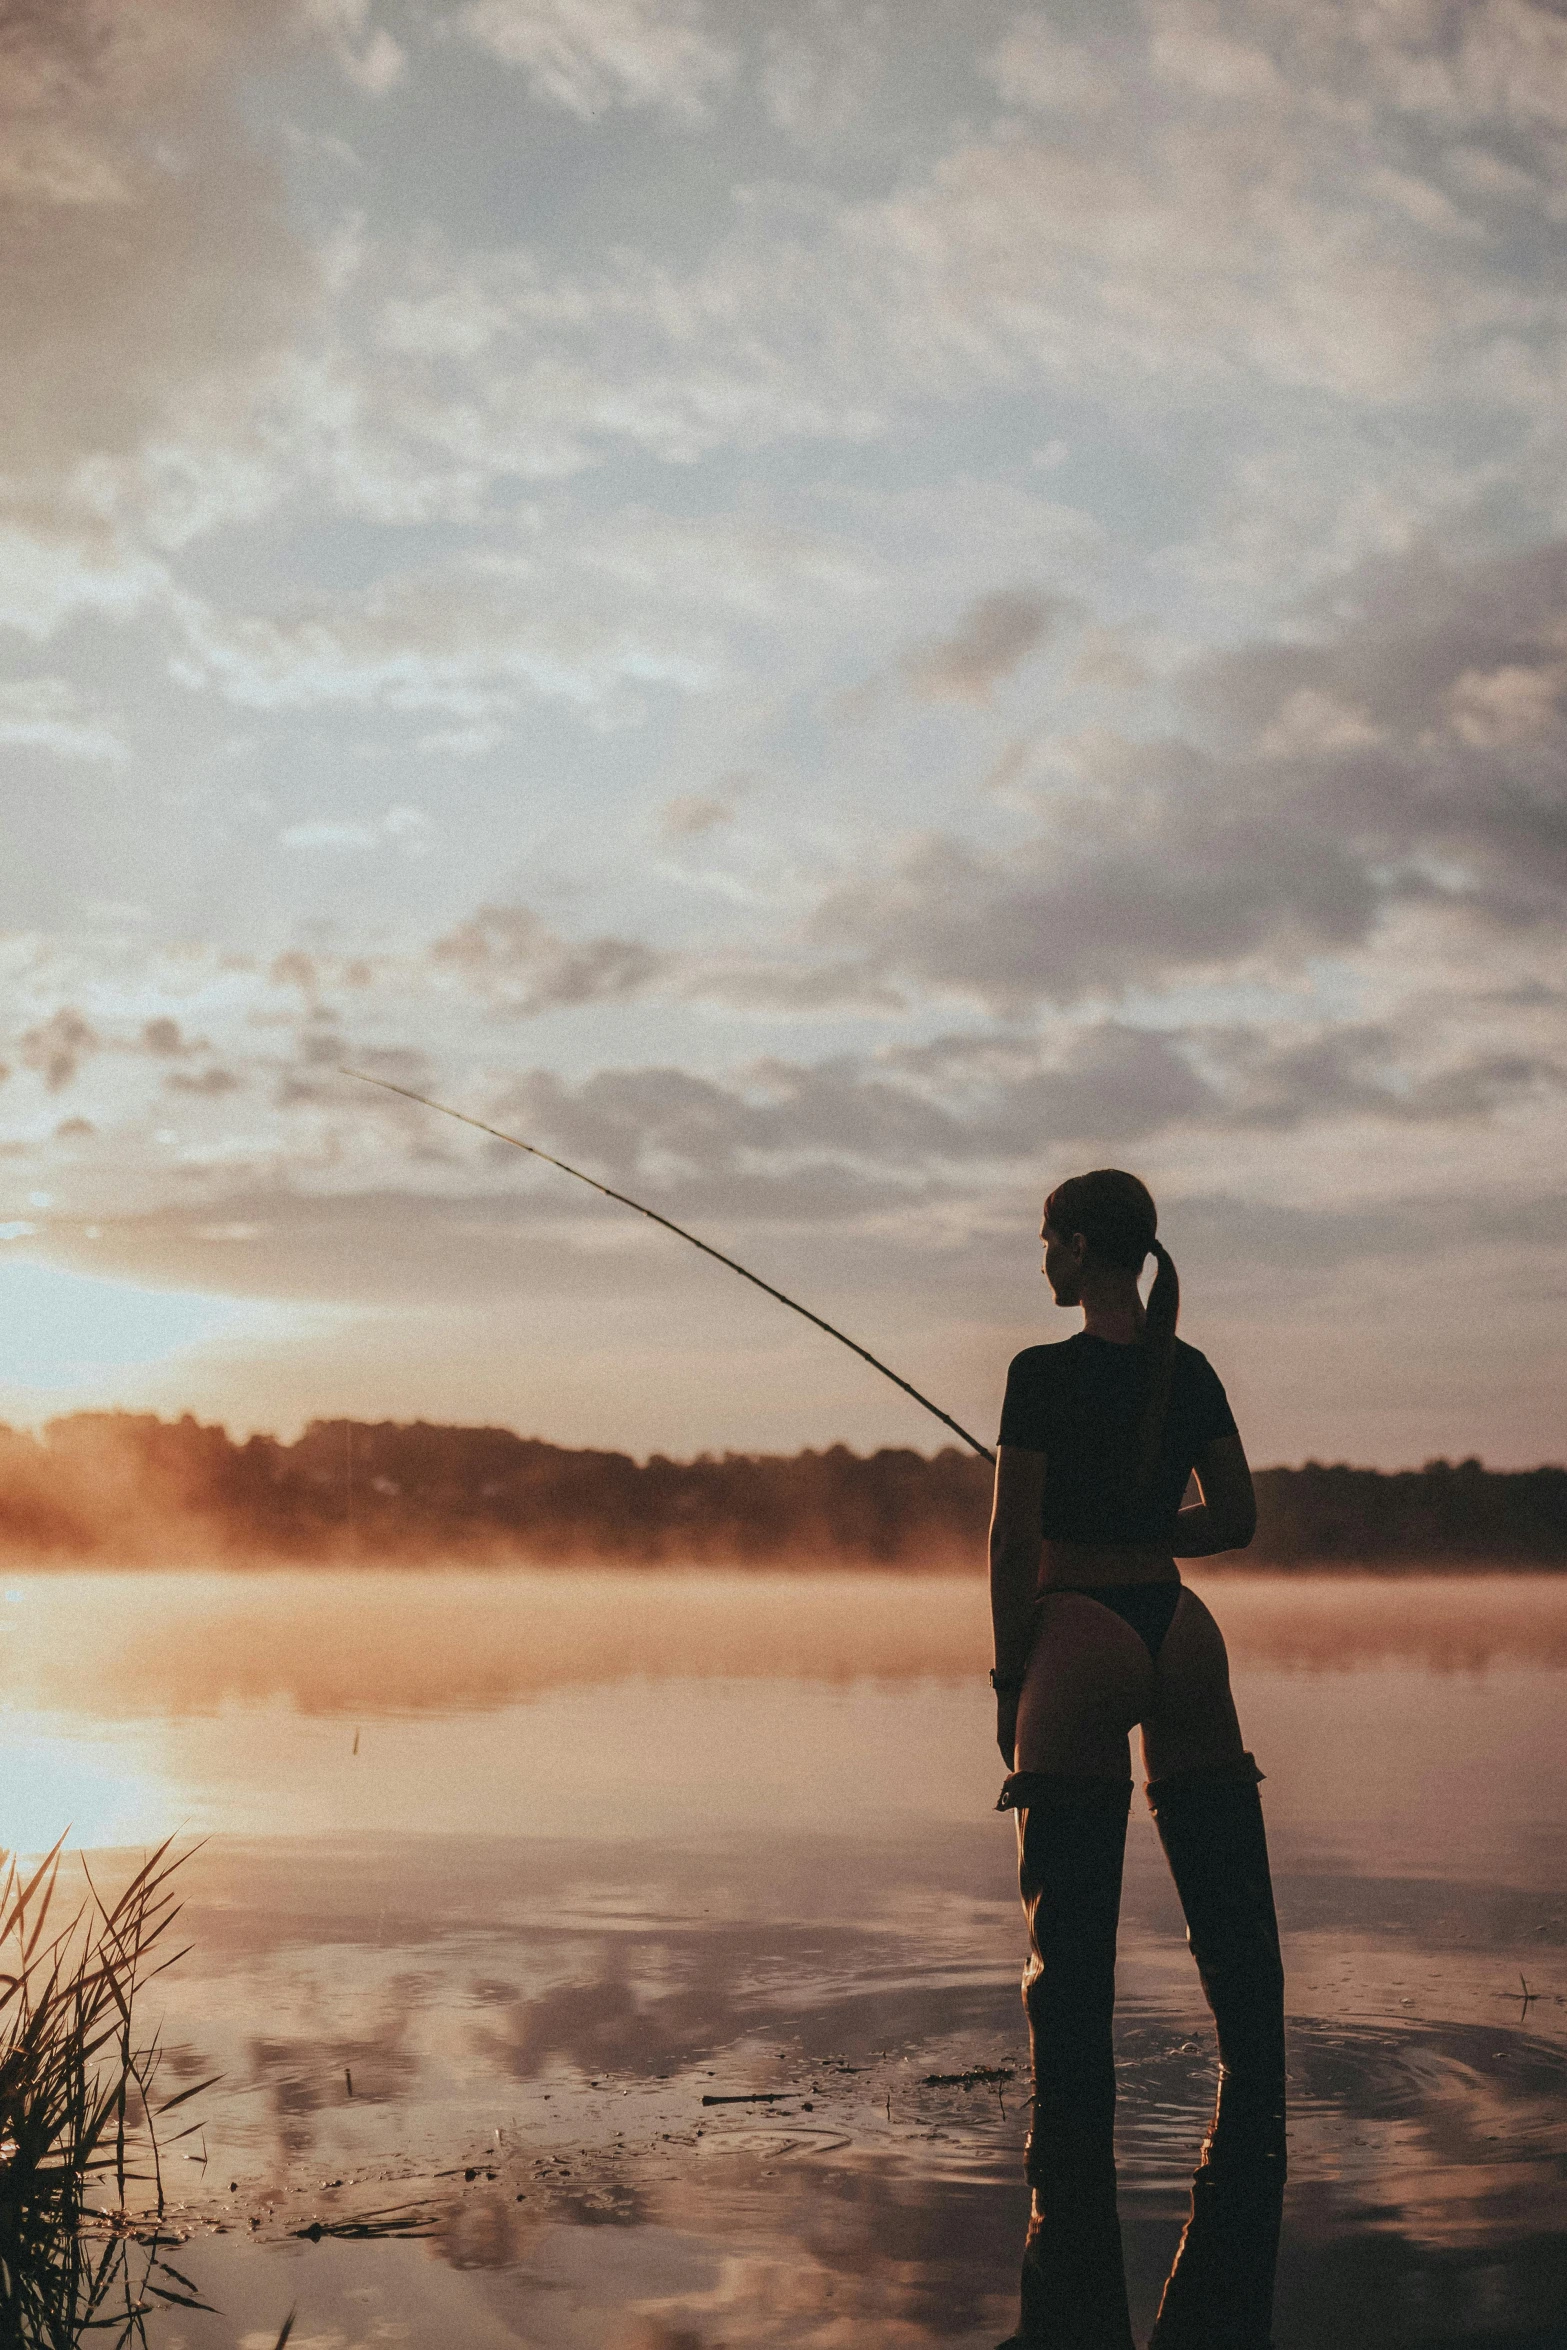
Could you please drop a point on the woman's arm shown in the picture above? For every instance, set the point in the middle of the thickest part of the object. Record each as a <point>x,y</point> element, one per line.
<point>1015,1543</point>
<point>1226,1518</point>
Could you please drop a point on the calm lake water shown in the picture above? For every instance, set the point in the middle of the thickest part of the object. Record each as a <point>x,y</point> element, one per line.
<point>503,1873</point>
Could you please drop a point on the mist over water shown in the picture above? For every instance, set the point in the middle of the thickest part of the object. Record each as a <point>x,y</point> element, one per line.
<point>504,1872</point>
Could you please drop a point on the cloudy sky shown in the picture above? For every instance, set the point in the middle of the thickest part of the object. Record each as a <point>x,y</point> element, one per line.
<point>835,611</point>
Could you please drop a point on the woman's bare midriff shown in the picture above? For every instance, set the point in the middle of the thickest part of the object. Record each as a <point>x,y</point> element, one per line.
<point>1077,1566</point>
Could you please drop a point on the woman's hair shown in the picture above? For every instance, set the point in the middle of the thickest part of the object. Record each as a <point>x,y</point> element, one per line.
<point>1116,1216</point>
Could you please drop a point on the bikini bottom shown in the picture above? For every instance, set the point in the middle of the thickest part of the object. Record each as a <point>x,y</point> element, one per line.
<point>1148,1607</point>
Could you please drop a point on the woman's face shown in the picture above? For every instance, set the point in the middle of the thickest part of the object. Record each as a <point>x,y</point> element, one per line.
<point>1063,1265</point>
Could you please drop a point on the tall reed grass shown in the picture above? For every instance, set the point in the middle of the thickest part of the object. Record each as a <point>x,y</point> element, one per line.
<point>78,2102</point>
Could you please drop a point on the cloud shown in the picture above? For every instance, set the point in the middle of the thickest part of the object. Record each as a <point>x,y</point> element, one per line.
<point>690,814</point>
<point>1391,639</point>
<point>1037,68</point>
<point>59,1045</point>
<point>55,564</point>
<point>586,55</point>
<point>463,742</point>
<point>1498,62</point>
<point>1107,658</point>
<point>323,834</point>
<point>1363,1070</point>
<point>602,616</point>
<point>1406,743</point>
<point>1183,872</point>
<point>821,68</point>
<point>474,636</point>
<point>1204,237</point>
<point>771,1146</point>
<point>295,968</point>
<point>1432,1224</point>
<point>1106,1082</point>
<point>845,1138</point>
<point>1451,677</point>
<point>994,637</point>
<point>409,829</point>
<point>47,714</point>
<point>163,374</point>
<point>1194,208</point>
<point>1248,849</point>
<point>1498,708</point>
<point>365,51</point>
<point>806,981</point>
<point>510,956</point>
<point>1113,1083</point>
<point>145,245</point>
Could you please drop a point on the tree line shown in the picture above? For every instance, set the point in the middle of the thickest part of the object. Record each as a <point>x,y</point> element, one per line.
<point>119,1487</point>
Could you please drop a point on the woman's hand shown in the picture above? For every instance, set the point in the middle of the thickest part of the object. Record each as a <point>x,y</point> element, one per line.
<point>1007,1701</point>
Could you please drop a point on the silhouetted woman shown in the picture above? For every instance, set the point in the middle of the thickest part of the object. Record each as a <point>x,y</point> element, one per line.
<point>1095,1633</point>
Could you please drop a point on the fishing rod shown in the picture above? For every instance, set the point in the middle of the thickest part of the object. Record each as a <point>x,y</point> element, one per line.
<point>680,1233</point>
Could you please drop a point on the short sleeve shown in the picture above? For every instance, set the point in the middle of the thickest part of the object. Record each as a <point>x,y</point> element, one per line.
<point>1210,1411</point>
<point>1023,1414</point>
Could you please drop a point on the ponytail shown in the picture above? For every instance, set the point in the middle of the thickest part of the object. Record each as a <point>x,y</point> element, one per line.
<point>1116,1215</point>
<point>1164,1306</point>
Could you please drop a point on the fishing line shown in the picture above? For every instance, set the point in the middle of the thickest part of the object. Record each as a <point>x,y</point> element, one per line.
<point>681,1233</point>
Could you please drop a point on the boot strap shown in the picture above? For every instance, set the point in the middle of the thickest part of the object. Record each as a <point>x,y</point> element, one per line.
<point>1241,1773</point>
<point>1025,1789</point>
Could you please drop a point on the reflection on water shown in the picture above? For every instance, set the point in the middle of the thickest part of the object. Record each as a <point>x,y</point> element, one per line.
<point>66,2286</point>
<point>507,1872</point>
<point>123,1645</point>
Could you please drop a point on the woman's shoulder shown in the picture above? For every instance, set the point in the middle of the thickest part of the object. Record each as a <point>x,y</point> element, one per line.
<point>1037,1377</point>
<point>1035,1397</point>
<point>1038,1362</point>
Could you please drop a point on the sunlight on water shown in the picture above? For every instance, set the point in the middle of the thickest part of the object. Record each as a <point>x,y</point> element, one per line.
<point>60,1779</point>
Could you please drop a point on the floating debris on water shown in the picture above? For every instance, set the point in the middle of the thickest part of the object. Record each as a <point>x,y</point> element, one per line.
<point>969,2080</point>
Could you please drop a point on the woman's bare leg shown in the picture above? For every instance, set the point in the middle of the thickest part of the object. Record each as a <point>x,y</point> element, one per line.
<point>1090,1679</point>
<point>1190,1723</point>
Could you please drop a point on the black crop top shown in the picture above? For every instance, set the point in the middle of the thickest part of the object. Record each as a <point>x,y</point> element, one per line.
<point>1080,1403</point>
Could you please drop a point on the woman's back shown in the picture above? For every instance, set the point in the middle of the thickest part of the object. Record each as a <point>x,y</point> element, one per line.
<point>1082,1403</point>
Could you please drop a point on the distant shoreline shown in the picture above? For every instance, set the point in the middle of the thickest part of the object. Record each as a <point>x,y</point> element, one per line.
<point>1237,1567</point>
<point>122,1489</point>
